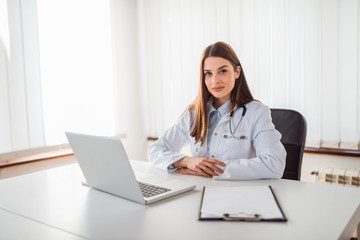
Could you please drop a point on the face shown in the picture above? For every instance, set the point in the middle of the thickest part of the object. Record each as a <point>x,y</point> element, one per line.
<point>220,77</point>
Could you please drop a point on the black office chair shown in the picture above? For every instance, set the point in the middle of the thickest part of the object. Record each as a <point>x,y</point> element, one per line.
<point>292,126</point>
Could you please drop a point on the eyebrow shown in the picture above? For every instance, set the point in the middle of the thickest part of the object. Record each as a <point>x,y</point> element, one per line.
<point>224,66</point>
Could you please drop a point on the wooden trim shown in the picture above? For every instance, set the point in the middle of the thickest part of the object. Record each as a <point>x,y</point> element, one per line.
<point>333,151</point>
<point>37,157</point>
<point>152,138</point>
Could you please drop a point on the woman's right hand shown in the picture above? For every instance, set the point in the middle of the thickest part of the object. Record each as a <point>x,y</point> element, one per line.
<point>206,167</point>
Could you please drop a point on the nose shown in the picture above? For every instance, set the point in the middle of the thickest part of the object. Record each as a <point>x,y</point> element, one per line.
<point>215,79</point>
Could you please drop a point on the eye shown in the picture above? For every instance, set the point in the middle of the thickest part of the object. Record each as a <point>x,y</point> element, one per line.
<point>223,71</point>
<point>207,74</point>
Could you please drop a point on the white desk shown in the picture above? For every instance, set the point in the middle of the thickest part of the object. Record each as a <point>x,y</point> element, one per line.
<point>14,227</point>
<point>56,199</point>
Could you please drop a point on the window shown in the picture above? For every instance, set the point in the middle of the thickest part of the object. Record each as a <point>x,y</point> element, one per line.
<point>56,71</point>
<point>76,68</point>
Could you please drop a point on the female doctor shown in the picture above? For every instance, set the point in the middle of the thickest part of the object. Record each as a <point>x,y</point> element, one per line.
<point>231,135</point>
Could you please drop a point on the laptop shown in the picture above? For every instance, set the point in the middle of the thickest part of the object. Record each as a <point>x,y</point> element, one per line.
<point>106,167</point>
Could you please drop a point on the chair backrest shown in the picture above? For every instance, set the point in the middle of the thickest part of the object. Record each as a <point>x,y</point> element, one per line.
<point>292,126</point>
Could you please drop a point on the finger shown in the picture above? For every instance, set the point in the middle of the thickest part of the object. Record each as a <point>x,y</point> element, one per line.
<point>199,169</point>
<point>207,170</point>
<point>214,161</point>
<point>191,172</point>
<point>211,164</point>
<point>182,171</point>
<point>186,171</point>
<point>204,173</point>
<point>206,166</point>
<point>213,167</point>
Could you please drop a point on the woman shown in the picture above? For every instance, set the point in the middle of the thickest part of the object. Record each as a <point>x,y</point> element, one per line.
<point>231,135</point>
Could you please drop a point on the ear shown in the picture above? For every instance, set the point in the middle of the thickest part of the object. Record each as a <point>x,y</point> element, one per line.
<point>237,72</point>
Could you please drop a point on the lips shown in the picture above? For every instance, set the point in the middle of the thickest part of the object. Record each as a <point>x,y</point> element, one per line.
<point>217,89</point>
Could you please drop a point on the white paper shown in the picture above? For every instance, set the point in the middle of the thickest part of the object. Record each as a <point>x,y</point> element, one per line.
<point>242,201</point>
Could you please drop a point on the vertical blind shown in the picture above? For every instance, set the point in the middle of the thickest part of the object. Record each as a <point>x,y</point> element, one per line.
<point>302,55</point>
<point>21,122</point>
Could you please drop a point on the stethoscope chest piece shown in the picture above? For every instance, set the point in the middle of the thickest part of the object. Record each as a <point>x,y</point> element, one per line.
<point>243,137</point>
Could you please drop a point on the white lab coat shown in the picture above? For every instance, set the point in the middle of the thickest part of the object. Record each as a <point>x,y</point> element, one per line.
<point>257,154</point>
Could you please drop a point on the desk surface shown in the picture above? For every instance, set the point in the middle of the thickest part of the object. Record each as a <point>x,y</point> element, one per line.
<point>56,199</point>
<point>14,226</point>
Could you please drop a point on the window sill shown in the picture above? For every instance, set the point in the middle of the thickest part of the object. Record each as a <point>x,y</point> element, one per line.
<point>38,154</point>
<point>37,157</point>
<point>333,151</point>
<point>68,152</point>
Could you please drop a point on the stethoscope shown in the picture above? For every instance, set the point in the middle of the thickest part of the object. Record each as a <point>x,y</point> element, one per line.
<point>237,126</point>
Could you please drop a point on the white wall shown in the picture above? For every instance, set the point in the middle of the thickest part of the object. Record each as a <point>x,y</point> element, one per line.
<point>315,162</point>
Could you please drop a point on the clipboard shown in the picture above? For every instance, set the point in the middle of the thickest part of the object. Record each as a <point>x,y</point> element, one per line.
<point>244,203</point>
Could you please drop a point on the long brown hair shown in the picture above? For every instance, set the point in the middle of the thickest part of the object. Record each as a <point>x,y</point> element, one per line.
<point>240,94</point>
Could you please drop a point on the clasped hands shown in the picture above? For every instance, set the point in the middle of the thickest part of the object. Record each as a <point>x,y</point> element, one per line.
<point>206,167</point>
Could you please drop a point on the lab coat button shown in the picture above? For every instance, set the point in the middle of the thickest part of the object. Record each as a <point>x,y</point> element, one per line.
<point>212,156</point>
<point>215,134</point>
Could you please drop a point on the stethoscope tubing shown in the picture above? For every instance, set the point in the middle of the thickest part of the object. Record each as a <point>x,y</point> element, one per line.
<point>237,126</point>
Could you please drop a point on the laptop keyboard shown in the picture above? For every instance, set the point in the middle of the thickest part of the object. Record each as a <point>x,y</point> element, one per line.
<point>151,190</point>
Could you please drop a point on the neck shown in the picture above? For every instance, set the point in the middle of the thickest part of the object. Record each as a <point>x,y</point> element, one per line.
<point>218,103</point>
